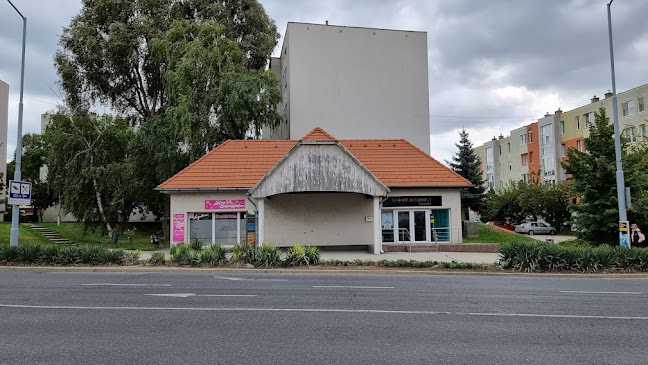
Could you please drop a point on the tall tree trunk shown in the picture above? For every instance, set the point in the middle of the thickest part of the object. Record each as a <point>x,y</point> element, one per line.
<point>100,204</point>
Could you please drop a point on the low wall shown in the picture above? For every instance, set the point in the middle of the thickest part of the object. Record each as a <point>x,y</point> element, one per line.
<point>445,247</point>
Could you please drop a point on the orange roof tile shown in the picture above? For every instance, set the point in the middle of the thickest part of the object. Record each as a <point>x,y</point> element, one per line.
<point>240,164</point>
<point>318,134</point>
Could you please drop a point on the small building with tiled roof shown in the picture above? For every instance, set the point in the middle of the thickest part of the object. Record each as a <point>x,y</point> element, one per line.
<point>317,191</point>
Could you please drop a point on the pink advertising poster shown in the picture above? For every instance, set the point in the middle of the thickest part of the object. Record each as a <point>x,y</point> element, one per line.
<point>223,204</point>
<point>178,227</point>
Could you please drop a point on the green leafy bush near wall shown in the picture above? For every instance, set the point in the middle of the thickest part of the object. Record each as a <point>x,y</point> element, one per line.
<point>40,254</point>
<point>243,253</point>
<point>267,256</point>
<point>541,257</point>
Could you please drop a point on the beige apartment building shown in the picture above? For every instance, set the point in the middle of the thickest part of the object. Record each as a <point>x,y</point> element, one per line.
<point>353,82</point>
<point>534,152</point>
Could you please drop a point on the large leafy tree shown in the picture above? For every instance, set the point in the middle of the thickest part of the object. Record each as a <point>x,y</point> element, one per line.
<point>520,201</point>
<point>466,163</point>
<point>167,67</point>
<point>87,157</point>
<point>212,96</point>
<point>592,177</point>
<point>106,50</point>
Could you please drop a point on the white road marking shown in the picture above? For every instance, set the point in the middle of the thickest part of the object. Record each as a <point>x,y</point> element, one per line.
<point>227,295</point>
<point>245,279</point>
<point>600,292</point>
<point>187,295</point>
<point>117,284</point>
<point>353,287</point>
<point>328,310</point>
<point>174,295</point>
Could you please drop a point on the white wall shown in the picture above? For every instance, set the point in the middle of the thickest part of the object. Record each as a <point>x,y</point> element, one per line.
<point>325,219</point>
<point>357,83</point>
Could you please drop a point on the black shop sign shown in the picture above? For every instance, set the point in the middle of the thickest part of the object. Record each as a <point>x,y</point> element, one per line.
<point>413,201</point>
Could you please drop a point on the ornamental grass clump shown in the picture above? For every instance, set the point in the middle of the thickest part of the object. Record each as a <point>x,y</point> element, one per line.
<point>539,257</point>
<point>267,256</point>
<point>296,256</point>
<point>158,258</point>
<point>243,253</point>
<point>212,255</point>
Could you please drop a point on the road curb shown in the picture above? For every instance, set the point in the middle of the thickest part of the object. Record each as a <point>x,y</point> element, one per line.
<point>366,270</point>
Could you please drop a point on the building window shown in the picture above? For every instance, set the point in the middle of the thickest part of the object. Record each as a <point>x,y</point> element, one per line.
<point>628,108</point>
<point>508,146</point>
<point>577,122</point>
<point>642,130</point>
<point>563,150</point>
<point>523,139</point>
<point>562,127</point>
<point>530,136</point>
<point>489,159</point>
<point>510,167</point>
<point>500,150</point>
<point>525,178</point>
<point>641,103</point>
<point>579,145</point>
<point>631,134</point>
<point>531,158</point>
<point>525,159</point>
<point>588,119</point>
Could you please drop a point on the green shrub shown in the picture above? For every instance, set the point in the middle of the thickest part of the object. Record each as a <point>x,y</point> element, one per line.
<point>50,254</point>
<point>267,256</point>
<point>575,243</point>
<point>28,253</point>
<point>313,255</point>
<point>157,258</point>
<point>185,255</point>
<point>296,256</point>
<point>243,253</point>
<point>108,257</point>
<point>212,255</point>
<point>196,244</point>
<point>69,255</point>
<point>543,257</point>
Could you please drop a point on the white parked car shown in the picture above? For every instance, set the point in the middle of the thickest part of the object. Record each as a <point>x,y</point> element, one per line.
<point>535,228</point>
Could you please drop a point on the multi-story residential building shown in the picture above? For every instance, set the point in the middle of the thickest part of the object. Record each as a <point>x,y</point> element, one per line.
<point>534,152</point>
<point>354,83</point>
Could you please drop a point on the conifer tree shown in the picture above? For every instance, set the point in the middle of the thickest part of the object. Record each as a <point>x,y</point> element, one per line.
<point>466,163</point>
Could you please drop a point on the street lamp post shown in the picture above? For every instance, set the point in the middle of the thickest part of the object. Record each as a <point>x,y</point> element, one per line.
<point>617,139</point>
<point>15,213</point>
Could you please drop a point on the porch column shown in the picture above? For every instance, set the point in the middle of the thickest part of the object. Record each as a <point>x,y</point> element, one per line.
<point>261,218</point>
<point>377,244</point>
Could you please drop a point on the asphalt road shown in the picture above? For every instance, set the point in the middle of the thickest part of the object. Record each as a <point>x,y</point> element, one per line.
<point>248,318</point>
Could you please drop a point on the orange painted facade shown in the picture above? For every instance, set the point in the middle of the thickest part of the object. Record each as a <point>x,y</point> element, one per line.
<point>533,148</point>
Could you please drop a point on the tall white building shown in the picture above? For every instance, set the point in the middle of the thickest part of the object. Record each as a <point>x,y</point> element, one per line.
<point>4,121</point>
<point>356,83</point>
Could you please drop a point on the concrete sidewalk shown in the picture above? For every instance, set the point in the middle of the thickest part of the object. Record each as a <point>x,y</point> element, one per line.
<point>472,257</point>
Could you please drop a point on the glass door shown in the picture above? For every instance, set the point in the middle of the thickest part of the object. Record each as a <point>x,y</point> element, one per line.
<point>404,229</point>
<point>420,231</point>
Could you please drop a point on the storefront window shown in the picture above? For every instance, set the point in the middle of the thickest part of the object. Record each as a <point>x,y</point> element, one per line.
<point>222,228</point>
<point>387,223</point>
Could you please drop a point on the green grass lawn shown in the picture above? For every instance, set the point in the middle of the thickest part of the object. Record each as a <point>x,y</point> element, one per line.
<point>494,234</point>
<point>25,234</point>
<point>76,233</point>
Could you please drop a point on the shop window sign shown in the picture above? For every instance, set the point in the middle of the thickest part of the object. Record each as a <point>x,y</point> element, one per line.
<point>413,201</point>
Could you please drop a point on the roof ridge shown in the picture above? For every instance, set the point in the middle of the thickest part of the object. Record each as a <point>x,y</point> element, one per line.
<point>318,131</point>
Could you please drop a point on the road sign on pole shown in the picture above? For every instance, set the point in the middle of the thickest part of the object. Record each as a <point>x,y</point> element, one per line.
<point>19,192</point>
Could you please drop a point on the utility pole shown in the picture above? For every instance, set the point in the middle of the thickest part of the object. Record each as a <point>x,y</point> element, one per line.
<point>15,213</point>
<point>620,181</point>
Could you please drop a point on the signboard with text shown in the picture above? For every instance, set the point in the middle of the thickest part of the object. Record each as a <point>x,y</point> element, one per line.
<point>224,204</point>
<point>19,192</point>
<point>178,227</point>
<point>624,233</point>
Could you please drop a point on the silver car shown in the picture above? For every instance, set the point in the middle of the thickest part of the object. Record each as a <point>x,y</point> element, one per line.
<point>535,228</point>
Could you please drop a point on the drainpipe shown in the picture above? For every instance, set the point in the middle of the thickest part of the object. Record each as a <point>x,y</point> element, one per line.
<point>256,218</point>
<point>380,210</point>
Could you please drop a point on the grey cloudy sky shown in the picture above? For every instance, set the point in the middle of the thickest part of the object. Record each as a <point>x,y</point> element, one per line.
<point>493,65</point>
